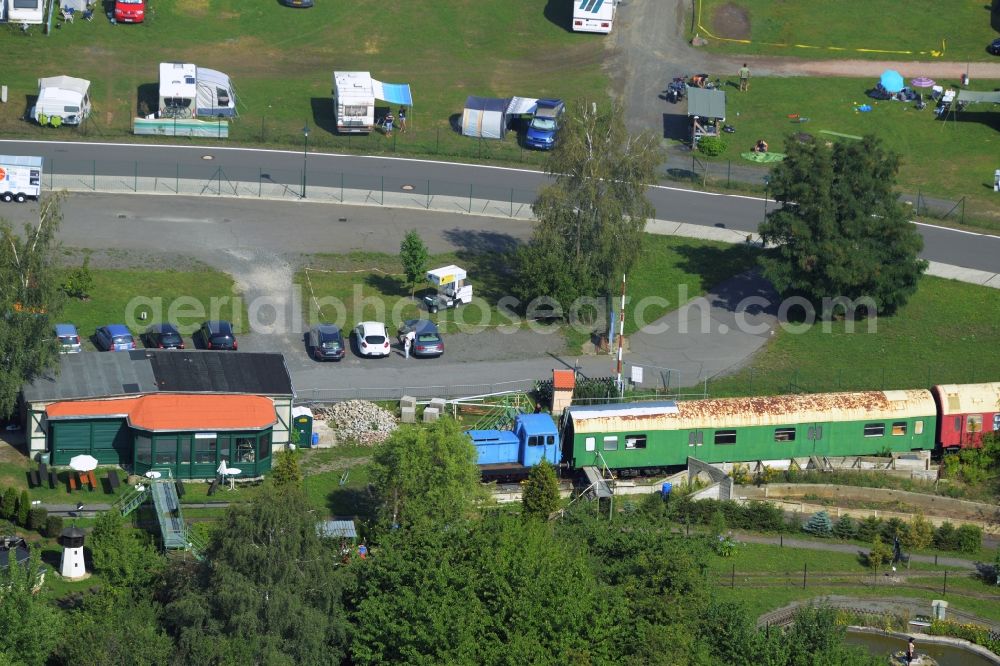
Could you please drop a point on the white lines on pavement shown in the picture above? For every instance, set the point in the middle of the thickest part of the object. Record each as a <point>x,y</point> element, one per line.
<point>957,231</point>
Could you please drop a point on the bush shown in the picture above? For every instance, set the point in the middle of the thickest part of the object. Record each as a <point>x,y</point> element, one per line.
<point>8,504</point>
<point>23,509</point>
<point>869,528</point>
<point>717,523</point>
<point>968,539</point>
<point>713,146</point>
<point>79,282</point>
<point>846,528</point>
<point>920,533</point>
<point>945,537</point>
<point>880,554</point>
<point>53,526</point>
<point>37,517</point>
<point>819,525</point>
<point>43,119</point>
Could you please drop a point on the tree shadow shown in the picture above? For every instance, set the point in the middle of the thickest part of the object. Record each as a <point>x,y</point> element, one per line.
<point>387,285</point>
<point>488,256</point>
<point>994,15</point>
<point>351,502</point>
<point>717,264</point>
<point>559,13</point>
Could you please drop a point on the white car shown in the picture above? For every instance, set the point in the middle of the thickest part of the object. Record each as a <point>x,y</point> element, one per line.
<point>372,338</point>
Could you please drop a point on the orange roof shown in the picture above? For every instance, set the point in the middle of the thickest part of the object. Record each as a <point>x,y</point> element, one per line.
<point>563,380</point>
<point>176,412</point>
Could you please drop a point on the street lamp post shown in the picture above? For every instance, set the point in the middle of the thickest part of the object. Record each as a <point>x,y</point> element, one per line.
<point>305,157</point>
<point>767,186</point>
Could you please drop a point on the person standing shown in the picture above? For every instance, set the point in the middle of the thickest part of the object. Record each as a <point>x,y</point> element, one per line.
<point>388,124</point>
<point>401,116</point>
<point>911,651</point>
<point>744,78</point>
<point>408,342</point>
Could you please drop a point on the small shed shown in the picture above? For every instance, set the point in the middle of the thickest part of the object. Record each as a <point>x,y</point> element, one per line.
<point>706,109</point>
<point>485,117</point>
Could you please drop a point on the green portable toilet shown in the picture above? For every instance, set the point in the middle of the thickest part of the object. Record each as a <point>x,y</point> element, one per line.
<point>302,424</point>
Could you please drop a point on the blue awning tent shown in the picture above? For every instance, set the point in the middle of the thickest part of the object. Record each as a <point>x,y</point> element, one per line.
<point>394,93</point>
<point>485,117</point>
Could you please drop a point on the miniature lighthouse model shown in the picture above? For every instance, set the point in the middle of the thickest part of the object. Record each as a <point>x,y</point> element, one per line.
<point>72,567</point>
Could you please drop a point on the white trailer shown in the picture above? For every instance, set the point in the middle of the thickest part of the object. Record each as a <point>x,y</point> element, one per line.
<point>63,97</point>
<point>353,102</point>
<point>178,90</point>
<point>452,288</point>
<point>594,15</point>
<point>20,178</point>
<point>26,12</point>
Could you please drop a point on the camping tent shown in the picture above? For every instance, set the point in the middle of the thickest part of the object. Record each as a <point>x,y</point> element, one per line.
<point>215,94</point>
<point>485,117</point>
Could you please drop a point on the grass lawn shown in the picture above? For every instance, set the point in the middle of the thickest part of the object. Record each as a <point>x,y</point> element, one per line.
<point>360,286</point>
<point>947,333</point>
<point>764,558</point>
<point>185,298</point>
<point>870,29</point>
<point>952,159</point>
<point>282,60</point>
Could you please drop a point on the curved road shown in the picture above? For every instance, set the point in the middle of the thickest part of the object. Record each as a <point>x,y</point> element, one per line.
<point>948,246</point>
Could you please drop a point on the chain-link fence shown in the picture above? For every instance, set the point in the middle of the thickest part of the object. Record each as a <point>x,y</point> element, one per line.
<point>390,393</point>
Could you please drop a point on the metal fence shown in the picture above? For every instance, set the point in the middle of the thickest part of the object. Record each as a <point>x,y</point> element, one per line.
<point>324,395</point>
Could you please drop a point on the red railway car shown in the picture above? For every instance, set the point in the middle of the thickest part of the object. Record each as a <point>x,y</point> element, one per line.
<point>966,412</point>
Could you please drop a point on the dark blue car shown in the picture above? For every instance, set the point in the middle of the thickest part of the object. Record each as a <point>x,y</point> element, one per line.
<point>114,337</point>
<point>544,124</point>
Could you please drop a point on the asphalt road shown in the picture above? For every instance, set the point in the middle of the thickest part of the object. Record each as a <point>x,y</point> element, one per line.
<point>462,180</point>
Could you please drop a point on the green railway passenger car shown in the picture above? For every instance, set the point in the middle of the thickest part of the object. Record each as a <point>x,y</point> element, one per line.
<point>637,437</point>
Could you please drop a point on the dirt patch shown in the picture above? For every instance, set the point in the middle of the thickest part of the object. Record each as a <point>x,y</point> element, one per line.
<point>191,8</point>
<point>731,21</point>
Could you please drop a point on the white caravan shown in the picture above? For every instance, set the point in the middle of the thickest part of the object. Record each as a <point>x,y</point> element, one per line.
<point>26,12</point>
<point>594,15</point>
<point>63,97</point>
<point>353,102</point>
<point>178,90</point>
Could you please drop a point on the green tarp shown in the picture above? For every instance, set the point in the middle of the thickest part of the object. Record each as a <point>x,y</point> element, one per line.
<point>706,103</point>
<point>763,157</point>
<point>971,96</point>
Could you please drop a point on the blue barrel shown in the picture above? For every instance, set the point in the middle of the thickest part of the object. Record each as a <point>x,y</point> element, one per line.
<point>665,490</point>
<point>315,439</point>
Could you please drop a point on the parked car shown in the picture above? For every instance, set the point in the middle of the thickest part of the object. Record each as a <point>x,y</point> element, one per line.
<point>163,336</point>
<point>301,4</point>
<point>130,11</point>
<point>325,342</point>
<point>427,340</point>
<point>69,339</point>
<point>544,124</point>
<point>372,338</point>
<point>994,47</point>
<point>216,335</point>
<point>114,337</point>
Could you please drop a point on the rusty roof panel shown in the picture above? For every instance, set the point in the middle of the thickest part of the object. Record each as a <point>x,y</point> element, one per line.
<point>769,410</point>
<point>968,398</point>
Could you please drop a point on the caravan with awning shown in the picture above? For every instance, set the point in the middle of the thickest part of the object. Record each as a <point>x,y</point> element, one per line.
<point>354,95</point>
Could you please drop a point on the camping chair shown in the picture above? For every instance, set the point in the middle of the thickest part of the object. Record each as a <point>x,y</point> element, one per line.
<point>88,13</point>
<point>67,14</point>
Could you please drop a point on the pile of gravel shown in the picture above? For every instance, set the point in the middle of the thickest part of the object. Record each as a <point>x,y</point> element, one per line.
<point>358,421</point>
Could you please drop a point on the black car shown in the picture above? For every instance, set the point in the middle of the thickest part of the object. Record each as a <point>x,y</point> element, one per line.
<point>325,342</point>
<point>427,340</point>
<point>163,336</point>
<point>994,47</point>
<point>301,4</point>
<point>216,335</point>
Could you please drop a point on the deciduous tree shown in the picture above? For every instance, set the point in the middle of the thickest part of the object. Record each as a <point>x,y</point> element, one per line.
<point>413,254</point>
<point>30,301</point>
<point>839,229</point>
<point>123,556</point>
<point>590,221</point>
<point>425,474</point>
<point>29,625</point>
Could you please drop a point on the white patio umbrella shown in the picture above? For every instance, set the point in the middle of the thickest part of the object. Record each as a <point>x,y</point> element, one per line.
<point>222,470</point>
<point>83,463</point>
